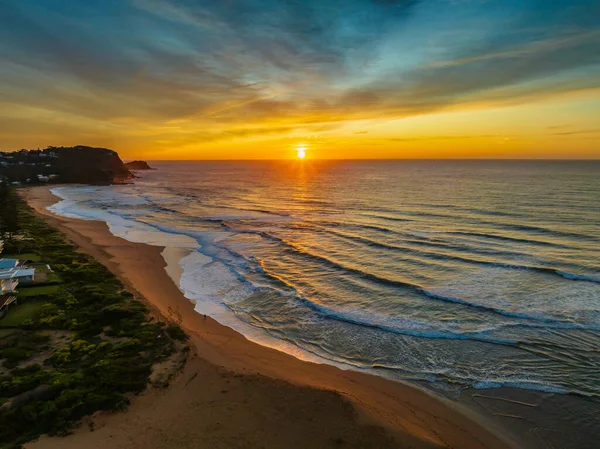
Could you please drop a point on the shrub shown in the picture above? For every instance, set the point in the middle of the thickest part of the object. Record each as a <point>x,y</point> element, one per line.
<point>176,333</point>
<point>15,354</point>
<point>86,374</point>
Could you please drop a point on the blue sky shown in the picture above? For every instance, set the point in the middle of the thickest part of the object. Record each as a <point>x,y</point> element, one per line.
<point>202,77</point>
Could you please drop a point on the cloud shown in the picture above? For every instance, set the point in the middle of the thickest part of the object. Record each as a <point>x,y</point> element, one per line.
<point>237,70</point>
<point>578,132</point>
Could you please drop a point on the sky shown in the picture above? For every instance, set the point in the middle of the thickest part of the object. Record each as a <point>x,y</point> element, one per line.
<point>258,79</point>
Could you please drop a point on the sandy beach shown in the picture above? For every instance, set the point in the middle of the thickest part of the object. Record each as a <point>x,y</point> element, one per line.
<point>234,393</point>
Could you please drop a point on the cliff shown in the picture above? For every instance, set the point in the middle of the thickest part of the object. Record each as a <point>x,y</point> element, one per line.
<point>79,164</point>
<point>138,165</point>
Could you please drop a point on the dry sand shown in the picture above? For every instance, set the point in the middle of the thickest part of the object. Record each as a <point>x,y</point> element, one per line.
<point>234,393</point>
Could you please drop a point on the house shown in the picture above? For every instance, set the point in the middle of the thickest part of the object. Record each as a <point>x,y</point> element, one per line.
<point>7,264</point>
<point>8,286</point>
<point>5,301</point>
<point>23,275</point>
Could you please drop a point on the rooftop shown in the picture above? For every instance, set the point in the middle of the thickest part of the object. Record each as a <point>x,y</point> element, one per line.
<point>16,273</point>
<point>8,263</point>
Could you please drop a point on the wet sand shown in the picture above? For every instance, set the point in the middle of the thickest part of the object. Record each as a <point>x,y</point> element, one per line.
<point>234,393</point>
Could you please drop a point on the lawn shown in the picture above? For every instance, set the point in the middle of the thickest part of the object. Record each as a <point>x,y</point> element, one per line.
<point>24,292</point>
<point>45,275</point>
<point>19,313</point>
<point>25,256</point>
<point>6,332</point>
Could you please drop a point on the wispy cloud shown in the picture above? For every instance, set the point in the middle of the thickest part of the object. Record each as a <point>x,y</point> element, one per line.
<point>237,69</point>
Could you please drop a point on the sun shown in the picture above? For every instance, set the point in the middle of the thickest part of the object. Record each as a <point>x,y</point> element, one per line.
<point>301,153</point>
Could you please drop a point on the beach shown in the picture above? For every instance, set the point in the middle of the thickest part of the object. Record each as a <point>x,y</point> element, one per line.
<point>236,393</point>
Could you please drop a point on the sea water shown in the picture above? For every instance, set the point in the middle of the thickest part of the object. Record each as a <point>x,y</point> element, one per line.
<point>459,273</point>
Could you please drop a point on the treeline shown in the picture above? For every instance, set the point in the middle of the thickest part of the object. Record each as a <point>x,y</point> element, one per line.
<point>79,164</point>
<point>90,346</point>
<point>9,216</point>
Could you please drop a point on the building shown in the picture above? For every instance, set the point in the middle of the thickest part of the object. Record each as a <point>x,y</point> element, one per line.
<point>8,286</point>
<point>23,275</point>
<point>5,302</point>
<point>7,264</point>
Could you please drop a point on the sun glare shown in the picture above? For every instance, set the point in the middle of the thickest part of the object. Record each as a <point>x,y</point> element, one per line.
<point>301,153</point>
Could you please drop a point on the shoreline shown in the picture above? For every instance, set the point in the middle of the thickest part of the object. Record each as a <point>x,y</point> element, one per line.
<point>385,412</point>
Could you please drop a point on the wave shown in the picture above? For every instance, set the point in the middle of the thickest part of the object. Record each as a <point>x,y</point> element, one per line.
<point>443,257</point>
<point>406,249</point>
<point>412,328</point>
<point>537,230</point>
<point>580,277</point>
<point>529,385</point>
<point>384,217</point>
<point>507,238</point>
<point>496,310</point>
<point>215,217</point>
<point>425,242</point>
<point>415,328</point>
<point>413,287</point>
<point>528,228</point>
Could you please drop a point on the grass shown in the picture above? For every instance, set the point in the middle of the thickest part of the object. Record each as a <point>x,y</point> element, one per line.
<point>17,314</point>
<point>5,333</point>
<point>53,278</point>
<point>26,256</point>
<point>24,292</point>
<point>44,275</point>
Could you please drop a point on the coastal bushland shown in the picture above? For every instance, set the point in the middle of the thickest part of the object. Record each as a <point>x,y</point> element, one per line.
<point>83,346</point>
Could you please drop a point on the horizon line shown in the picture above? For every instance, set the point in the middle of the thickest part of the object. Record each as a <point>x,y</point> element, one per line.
<point>371,159</point>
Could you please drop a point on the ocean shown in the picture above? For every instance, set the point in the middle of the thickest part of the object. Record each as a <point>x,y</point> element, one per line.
<point>452,274</point>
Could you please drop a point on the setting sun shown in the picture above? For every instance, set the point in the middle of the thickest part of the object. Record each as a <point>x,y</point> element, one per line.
<point>301,153</point>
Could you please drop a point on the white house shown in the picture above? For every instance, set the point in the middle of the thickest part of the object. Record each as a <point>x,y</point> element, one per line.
<point>23,275</point>
<point>7,264</point>
<point>8,286</point>
<point>5,302</point>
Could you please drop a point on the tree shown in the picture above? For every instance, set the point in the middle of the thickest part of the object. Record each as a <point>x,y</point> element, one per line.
<point>10,215</point>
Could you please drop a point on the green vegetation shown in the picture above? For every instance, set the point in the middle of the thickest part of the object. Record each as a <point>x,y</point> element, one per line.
<point>176,333</point>
<point>5,333</point>
<point>9,216</point>
<point>44,290</point>
<point>62,354</point>
<point>34,257</point>
<point>20,313</point>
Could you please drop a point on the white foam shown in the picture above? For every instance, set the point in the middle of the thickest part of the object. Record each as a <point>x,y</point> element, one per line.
<point>72,206</point>
<point>208,283</point>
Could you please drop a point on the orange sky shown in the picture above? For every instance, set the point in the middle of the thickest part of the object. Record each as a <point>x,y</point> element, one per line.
<point>166,79</point>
